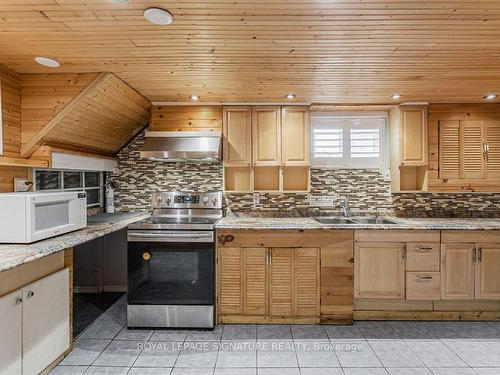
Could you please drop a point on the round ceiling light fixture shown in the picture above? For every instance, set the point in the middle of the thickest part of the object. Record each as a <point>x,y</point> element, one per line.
<point>158,16</point>
<point>290,96</point>
<point>396,96</point>
<point>45,61</point>
<point>490,96</point>
<point>194,98</point>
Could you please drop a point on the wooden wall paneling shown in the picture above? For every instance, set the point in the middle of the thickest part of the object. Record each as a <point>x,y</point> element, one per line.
<point>10,84</point>
<point>233,51</point>
<point>7,175</point>
<point>186,118</point>
<point>45,95</point>
<point>100,119</point>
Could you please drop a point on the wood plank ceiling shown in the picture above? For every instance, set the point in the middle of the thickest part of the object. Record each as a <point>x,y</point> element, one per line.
<point>229,50</point>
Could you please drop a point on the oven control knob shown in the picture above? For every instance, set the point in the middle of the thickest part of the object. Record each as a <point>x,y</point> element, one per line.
<point>168,201</point>
<point>205,199</point>
<point>214,201</point>
<point>159,199</point>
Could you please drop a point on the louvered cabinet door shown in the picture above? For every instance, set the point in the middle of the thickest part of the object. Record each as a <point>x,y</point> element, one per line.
<point>472,140</point>
<point>229,276</point>
<point>449,149</point>
<point>255,297</point>
<point>493,154</point>
<point>282,281</point>
<point>306,271</point>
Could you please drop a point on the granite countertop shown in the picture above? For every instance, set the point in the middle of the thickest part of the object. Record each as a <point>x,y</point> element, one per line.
<point>13,255</point>
<point>263,223</point>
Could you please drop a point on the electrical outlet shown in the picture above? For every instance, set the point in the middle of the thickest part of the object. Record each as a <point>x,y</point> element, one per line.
<point>256,200</point>
<point>21,184</point>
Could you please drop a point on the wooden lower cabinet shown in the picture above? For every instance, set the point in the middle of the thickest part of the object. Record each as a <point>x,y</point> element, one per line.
<point>457,271</point>
<point>487,271</point>
<point>379,270</point>
<point>268,283</point>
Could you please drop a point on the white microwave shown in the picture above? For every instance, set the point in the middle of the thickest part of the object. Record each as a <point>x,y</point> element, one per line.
<point>30,217</point>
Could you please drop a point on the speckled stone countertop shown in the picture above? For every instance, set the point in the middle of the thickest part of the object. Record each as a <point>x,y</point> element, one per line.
<point>12,255</point>
<point>263,223</point>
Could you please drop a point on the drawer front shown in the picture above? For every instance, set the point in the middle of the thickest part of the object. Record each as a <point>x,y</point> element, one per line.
<point>423,285</point>
<point>422,257</point>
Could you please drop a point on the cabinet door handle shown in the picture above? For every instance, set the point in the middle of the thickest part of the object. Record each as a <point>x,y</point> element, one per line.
<point>19,300</point>
<point>424,277</point>
<point>270,258</point>
<point>479,254</point>
<point>423,249</point>
<point>31,294</point>
<point>403,252</point>
<point>474,254</point>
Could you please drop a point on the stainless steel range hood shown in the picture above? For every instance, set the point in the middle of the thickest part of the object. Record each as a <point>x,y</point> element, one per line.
<point>183,146</point>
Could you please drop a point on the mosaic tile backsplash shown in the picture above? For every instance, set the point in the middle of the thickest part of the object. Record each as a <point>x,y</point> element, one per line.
<point>368,191</point>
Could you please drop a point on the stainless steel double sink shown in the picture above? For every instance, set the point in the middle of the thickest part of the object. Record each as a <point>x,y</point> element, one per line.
<point>329,220</point>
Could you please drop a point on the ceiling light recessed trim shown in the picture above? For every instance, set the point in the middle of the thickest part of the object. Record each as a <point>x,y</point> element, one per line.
<point>490,96</point>
<point>158,16</point>
<point>194,98</point>
<point>290,96</point>
<point>396,96</point>
<point>48,62</point>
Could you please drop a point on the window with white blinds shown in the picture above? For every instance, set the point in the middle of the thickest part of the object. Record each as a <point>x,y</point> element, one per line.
<point>348,142</point>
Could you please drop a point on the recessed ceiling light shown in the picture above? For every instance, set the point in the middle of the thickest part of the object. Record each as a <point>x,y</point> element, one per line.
<point>396,96</point>
<point>290,96</point>
<point>194,98</point>
<point>45,61</point>
<point>490,96</point>
<point>158,16</point>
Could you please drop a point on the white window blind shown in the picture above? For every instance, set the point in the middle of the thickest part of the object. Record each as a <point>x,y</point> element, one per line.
<point>348,142</point>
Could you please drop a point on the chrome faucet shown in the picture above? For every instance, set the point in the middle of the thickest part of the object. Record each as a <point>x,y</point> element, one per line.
<point>344,206</point>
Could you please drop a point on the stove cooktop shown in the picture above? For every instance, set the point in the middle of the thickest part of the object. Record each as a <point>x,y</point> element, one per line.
<point>162,222</point>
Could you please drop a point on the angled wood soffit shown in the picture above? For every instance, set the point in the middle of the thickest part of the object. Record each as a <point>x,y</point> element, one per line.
<point>100,119</point>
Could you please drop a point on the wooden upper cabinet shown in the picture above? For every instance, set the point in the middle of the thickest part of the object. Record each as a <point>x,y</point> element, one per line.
<point>487,275</point>
<point>229,277</point>
<point>307,288</point>
<point>472,139</point>
<point>457,271</point>
<point>295,135</point>
<point>414,135</point>
<point>255,281</point>
<point>266,135</point>
<point>237,132</point>
<point>281,276</point>
<point>449,149</point>
<point>492,129</point>
<point>379,270</point>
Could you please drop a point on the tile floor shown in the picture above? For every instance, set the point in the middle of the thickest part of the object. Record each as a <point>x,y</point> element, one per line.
<point>365,348</point>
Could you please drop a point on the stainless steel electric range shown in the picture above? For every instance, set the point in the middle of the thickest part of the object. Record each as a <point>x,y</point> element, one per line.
<point>171,262</point>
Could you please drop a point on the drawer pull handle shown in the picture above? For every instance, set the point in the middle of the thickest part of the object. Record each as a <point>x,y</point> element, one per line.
<point>424,277</point>
<point>424,249</point>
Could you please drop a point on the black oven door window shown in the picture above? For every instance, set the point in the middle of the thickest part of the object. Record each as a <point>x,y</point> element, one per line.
<point>170,274</point>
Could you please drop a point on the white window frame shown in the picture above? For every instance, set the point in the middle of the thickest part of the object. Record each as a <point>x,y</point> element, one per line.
<point>82,189</point>
<point>345,121</point>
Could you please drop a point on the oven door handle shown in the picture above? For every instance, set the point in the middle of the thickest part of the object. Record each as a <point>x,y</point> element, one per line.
<point>170,237</point>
